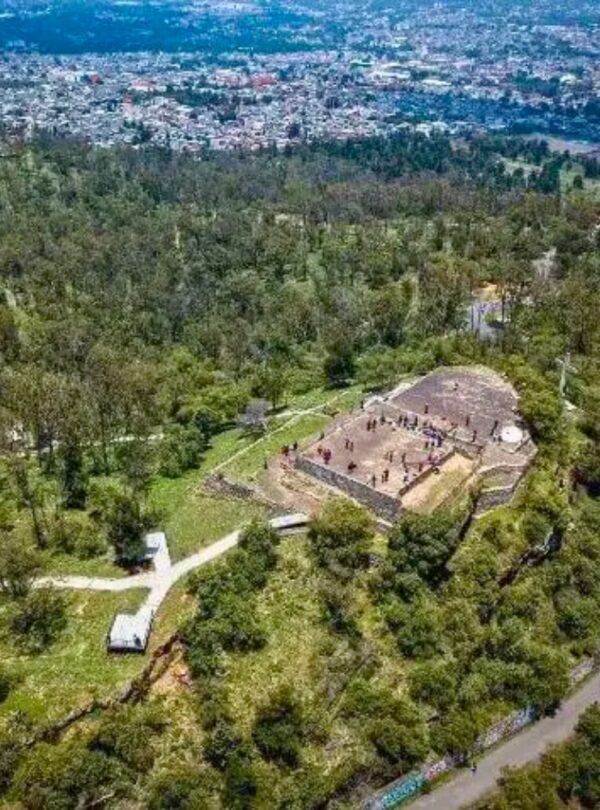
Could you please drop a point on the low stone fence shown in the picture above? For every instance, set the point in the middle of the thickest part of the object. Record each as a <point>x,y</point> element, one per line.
<point>223,486</point>
<point>407,787</point>
<point>235,489</point>
<point>423,476</point>
<point>385,506</point>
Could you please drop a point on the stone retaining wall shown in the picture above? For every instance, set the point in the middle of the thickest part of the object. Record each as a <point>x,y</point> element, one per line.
<point>385,506</point>
<point>235,489</point>
<point>426,473</point>
<point>495,497</point>
<point>222,485</point>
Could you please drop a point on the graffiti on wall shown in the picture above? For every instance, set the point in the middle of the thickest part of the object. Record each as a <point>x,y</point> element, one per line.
<point>510,725</point>
<point>399,792</point>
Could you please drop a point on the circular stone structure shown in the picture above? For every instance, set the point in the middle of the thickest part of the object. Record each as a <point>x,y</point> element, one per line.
<point>511,434</point>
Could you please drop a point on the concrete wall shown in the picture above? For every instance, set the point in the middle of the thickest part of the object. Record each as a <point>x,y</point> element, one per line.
<point>383,505</point>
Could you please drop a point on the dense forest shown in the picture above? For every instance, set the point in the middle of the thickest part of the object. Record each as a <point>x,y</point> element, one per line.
<point>148,298</point>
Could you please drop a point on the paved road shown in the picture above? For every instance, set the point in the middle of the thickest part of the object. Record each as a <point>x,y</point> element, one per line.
<point>467,788</point>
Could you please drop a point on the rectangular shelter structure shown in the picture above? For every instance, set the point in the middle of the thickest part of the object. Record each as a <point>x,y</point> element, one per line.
<point>130,631</point>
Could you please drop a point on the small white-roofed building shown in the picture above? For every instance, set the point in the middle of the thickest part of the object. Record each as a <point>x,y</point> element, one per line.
<point>157,551</point>
<point>289,522</point>
<point>130,631</point>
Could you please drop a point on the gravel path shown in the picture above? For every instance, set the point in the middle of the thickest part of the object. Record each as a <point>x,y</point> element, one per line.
<point>160,581</point>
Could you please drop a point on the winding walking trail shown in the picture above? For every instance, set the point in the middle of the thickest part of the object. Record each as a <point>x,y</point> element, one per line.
<point>160,581</point>
<point>467,788</point>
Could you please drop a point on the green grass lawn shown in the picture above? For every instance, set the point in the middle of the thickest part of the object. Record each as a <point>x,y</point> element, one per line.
<point>69,565</point>
<point>194,518</point>
<point>248,466</point>
<point>76,668</point>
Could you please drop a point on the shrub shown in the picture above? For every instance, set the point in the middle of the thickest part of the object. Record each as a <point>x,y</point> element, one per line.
<point>279,729</point>
<point>65,776</point>
<point>399,743</point>
<point>75,533</point>
<point>5,685</point>
<point>39,619</point>
<point>222,743</point>
<point>183,787</point>
<point>128,734</point>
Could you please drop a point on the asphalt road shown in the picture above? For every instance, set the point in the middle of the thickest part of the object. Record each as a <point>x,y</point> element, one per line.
<point>466,787</point>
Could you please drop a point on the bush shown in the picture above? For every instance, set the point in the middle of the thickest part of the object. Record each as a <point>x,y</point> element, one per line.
<point>39,619</point>
<point>5,685</point>
<point>393,724</point>
<point>338,613</point>
<point>422,545</point>
<point>128,734</point>
<point>397,742</point>
<point>417,627</point>
<point>240,782</point>
<point>225,594</point>
<point>65,777</point>
<point>222,743</point>
<point>183,787</point>
<point>279,729</point>
<point>75,533</point>
<point>434,683</point>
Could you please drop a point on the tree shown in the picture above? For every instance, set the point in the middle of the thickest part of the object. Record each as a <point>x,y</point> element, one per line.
<point>20,564</point>
<point>125,522</point>
<point>254,418</point>
<point>74,477</point>
<point>135,459</point>
<point>31,494</point>
<point>272,381</point>
<point>339,366</point>
<point>39,618</point>
<point>340,537</point>
<point>181,449</point>
<point>76,533</point>
<point>422,544</point>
